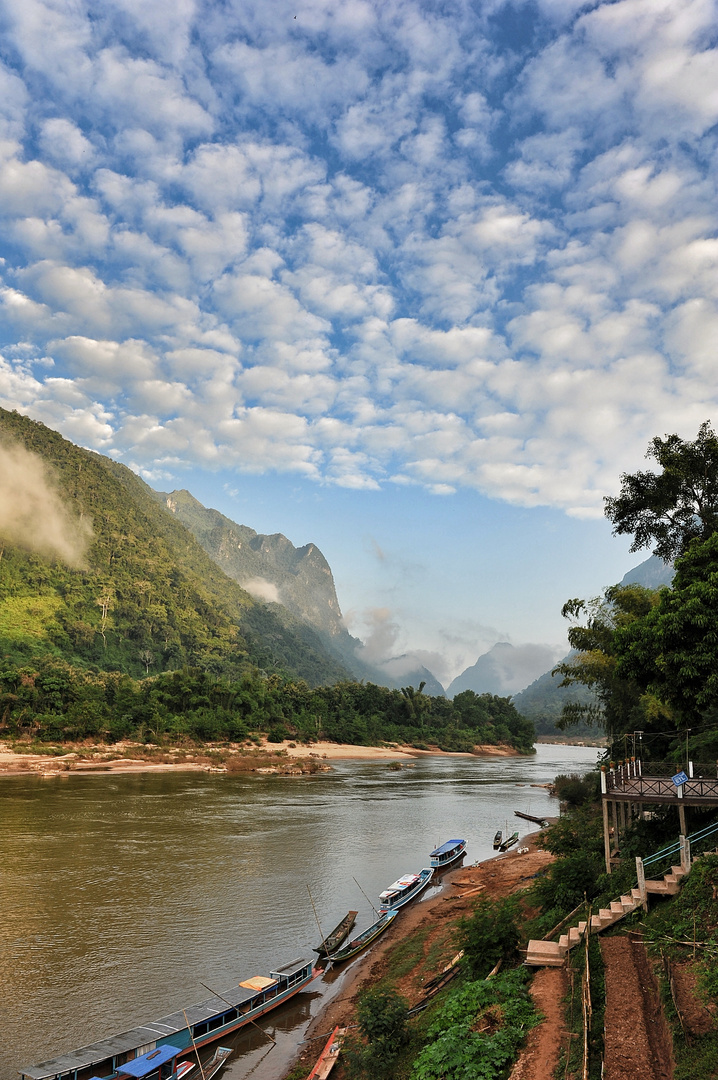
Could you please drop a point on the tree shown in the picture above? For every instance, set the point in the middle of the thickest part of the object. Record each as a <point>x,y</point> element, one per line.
<point>490,934</point>
<point>621,704</point>
<point>673,649</point>
<point>675,506</point>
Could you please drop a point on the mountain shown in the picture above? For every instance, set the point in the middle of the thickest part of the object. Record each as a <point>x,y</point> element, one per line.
<point>270,568</point>
<point>276,572</point>
<point>652,574</point>
<point>543,701</point>
<point>504,669</point>
<point>95,570</point>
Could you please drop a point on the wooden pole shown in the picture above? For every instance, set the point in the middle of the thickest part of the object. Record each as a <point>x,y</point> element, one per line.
<point>317,918</point>
<point>606,835</point>
<point>194,1044</point>
<point>366,897</point>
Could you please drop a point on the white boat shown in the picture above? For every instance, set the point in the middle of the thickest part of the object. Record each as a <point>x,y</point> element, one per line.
<point>447,854</point>
<point>404,889</point>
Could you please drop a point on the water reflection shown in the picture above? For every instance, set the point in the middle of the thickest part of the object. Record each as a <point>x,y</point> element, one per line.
<point>122,895</point>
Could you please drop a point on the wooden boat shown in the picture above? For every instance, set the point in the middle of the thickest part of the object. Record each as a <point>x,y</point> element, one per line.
<point>196,1026</point>
<point>405,889</point>
<point>527,817</point>
<point>497,840</point>
<point>365,938</point>
<point>216,1062</point>
<point>447,854</point>
<point>183,1068</point>
<point>329,1055</point>
<point>509,841</point>
<point>340,931</point>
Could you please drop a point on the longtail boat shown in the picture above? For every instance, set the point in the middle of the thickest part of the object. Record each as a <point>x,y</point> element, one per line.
<point>509,841</point>
<point>405,889</point>
<point>339,933</point>
<point>447,854</point>
<point>120,1056</point>
<point>365,938</point>
<point>529,817</point>
<point>329,1055</point>
<point>216,1062</point>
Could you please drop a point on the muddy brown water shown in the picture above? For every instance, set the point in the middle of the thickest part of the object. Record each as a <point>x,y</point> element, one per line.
<point>121,895</point>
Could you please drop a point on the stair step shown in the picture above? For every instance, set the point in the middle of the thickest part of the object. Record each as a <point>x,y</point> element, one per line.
<point>629,902</point>
<point>636,894</point>
<point>563,943</point>
<point>544,954</point>
<point>573,937</point>
<point>617,908</point>
<point>663,888</point>
<point>582,927</point>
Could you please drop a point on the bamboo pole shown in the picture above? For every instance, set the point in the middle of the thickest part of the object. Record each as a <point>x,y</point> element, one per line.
<point>321,934</point>
<point>366,897</point>
<point>194,1044</point>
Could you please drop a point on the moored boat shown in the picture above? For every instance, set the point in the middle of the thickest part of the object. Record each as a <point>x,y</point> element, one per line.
<point>529,817</point>
<point>405,889</point>
<point>447,853</point>
<point>497,839</point>
<point>189,1029</point>
<point>365,938</point>
<point>216,1062</point>
<point>509,841</point>
<point>329,1055</point>
<point>339,933</point>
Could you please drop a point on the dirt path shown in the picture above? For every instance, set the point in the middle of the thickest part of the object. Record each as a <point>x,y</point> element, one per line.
<point>540,1056</point>
<point>637,1041</point>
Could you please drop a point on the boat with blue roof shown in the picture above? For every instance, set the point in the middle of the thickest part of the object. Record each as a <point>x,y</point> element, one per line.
<point>447,854</point>
<point>154,1047</point>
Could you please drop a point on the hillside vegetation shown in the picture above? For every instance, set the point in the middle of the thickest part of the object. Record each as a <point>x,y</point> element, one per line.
<point>135,631</point>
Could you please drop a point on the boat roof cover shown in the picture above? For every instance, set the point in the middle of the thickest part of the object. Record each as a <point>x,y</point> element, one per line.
<point>87,1056</point>
<point>150,1061</point>
<point>259,982</point>
<point>400,883</point>
<point>448,846</point>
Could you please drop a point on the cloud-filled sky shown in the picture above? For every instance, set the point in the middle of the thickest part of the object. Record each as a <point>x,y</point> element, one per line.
<point>372,263</point>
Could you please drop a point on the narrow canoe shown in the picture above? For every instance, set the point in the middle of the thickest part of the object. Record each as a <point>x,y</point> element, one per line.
<point>529,817</point>
<point>328,1057</point>
<point>341,930</point>
<point>510,841</point>
<point>365,938</point>
<point>215,1063</point>
<point>497,840</point>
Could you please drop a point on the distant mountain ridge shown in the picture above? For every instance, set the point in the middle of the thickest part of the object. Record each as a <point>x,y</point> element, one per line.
<point>504,669</point>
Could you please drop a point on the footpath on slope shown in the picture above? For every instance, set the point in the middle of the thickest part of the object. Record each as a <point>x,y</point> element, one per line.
<point>541,1054</point>
<point>637,1040</point>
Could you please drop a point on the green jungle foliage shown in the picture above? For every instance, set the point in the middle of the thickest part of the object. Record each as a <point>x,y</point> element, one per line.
<point>477,1033</point>
<point>491,933</point>
<point>383,1016</point>
<point>53,700</point>
<point>149,599</point>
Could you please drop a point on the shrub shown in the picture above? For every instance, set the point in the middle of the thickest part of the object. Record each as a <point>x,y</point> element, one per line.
<point>490,934</point>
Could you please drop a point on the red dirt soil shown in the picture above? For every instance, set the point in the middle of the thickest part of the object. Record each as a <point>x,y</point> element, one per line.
<point>637,1040</point>
<point>540,1056</point>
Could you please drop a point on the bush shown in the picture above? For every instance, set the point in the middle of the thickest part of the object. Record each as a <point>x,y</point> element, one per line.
<point>575,790</point>
<point>383,1016</point>
<point>489,935</point>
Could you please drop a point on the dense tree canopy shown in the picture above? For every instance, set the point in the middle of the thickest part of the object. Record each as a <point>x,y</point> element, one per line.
<point>670,508</point>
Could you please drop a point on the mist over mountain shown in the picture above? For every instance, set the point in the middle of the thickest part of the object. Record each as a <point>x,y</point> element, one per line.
<point>504,669</point>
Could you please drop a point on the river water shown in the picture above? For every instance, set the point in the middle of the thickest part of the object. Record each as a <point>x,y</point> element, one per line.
<point>121,895</point>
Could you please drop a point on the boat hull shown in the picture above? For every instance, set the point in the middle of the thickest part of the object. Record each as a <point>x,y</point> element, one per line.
<point>364,939</point>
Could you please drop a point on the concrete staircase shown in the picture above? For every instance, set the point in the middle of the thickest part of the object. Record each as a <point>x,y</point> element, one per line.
<point>553,953</point>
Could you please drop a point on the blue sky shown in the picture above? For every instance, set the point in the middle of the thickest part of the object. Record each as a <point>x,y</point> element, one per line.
<point>413,281</point>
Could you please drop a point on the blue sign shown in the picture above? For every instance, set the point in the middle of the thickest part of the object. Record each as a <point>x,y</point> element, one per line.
<point>679,778</point>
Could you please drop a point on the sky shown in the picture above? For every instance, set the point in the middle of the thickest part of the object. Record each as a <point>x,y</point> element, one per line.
<point>415,282</point>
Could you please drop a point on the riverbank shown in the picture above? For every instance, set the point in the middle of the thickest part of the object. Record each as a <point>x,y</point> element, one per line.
<point>427,928</point>
<point>287,758</point>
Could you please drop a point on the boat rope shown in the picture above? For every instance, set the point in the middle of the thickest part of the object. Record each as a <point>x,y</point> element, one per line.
<point>234,1007</point>
<point>317,918</point>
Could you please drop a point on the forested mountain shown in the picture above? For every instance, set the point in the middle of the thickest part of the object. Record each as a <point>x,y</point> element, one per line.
<point>543,701</point>
<point>143,597</point>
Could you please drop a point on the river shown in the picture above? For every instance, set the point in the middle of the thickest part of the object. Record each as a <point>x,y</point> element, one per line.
<point>121,895</point>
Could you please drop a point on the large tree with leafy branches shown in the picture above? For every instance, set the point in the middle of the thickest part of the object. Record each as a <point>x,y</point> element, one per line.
<point>672,507</point>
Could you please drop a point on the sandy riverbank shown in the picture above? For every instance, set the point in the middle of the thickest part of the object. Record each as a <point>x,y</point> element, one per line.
<point>288,757</point>
<point>495,877</point>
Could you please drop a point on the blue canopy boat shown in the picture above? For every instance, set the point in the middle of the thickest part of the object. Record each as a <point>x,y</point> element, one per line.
<point>404,889</point>
<point>447,854</point>
<point>181,1032</point>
